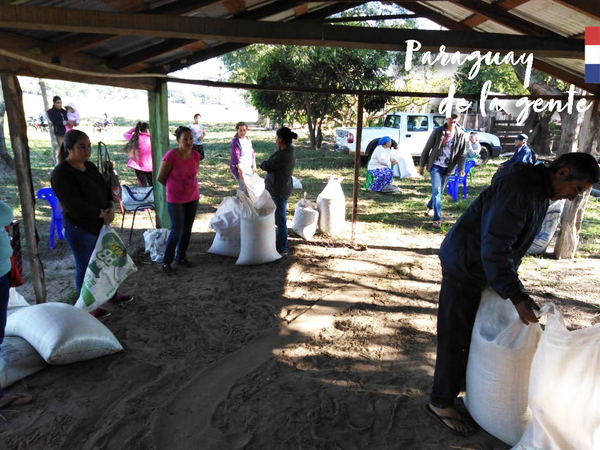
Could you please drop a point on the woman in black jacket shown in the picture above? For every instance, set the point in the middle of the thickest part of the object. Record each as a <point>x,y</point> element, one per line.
<point>278,182</point>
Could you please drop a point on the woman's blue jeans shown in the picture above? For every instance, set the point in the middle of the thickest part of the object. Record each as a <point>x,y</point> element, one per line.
<point>182,219</point>
<point>281,223</point>
<point>82,245</point>
<point>439,180</point>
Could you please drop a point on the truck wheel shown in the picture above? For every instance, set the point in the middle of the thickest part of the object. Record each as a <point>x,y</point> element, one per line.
<point>484,154</point>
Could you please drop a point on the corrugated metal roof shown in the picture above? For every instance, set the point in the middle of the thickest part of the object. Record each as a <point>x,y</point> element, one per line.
<point>449,9</point>
<point>555,17</point>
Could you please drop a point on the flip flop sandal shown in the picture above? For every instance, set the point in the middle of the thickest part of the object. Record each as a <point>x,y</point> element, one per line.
<point>15,400</point>
<point>442,419</point>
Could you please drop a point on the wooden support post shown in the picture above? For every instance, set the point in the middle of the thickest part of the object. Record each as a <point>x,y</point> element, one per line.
<point>359,122</point>
<point>158,107</point>
<point>18,138</point>
<point>570,226</point>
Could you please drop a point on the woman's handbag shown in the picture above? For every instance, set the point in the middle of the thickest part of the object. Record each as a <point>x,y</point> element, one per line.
<point>107,169</point>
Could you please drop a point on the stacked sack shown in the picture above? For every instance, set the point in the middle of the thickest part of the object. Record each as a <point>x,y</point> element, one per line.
<point>306,219</point>
<point>257,230</point>
<point>331,205</point>
<point>226,223</point>
<point>50,333</point>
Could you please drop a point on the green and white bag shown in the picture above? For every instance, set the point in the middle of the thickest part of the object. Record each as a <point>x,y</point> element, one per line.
<point>109,265</point>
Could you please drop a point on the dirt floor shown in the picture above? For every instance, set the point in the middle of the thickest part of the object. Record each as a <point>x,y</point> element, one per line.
<point>331,347</point>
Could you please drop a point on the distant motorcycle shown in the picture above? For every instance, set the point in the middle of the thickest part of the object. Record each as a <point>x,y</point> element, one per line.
<point>37,124</point>
<point>102,125</point>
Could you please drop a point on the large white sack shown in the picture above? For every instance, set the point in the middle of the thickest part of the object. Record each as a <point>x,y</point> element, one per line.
<point>296,183</point>
<point>61,333</point>
<point>258,244</point>
<point>227,217</point>
<point>564,389</point>
<point>255,185</point>
<point>331,205</point>
<point>502,348</point>
<point>306,219</point>
<point>155,242</point>
<point>18,359</point>
<point>109,265</point>
<point>406,165</point>
<point>551,221</point>
<point>226,245</point>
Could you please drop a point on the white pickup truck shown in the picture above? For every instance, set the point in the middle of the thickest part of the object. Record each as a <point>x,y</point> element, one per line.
<point>410,131</point>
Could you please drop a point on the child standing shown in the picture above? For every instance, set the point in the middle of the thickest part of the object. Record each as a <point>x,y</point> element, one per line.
<point>139,150</point>
<point>178,172</point>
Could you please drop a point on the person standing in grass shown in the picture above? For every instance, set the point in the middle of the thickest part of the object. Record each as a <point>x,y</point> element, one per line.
<point>179,173</point>
<point>278,182</point>
<point>58,119</point>
<point>199,133</point>
<point>243,160</point>
<point>139,150</point>
<point>380,166</point>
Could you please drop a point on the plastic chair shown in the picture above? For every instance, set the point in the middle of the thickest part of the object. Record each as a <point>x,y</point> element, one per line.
<point>57,218</point>
<point>136,198</point>
<point>455,180</point>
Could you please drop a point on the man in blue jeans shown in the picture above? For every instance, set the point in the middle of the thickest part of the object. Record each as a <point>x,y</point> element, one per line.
<point>444,150</point>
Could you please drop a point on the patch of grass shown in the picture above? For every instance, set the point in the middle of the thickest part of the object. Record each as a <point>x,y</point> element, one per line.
<point>313,168</point>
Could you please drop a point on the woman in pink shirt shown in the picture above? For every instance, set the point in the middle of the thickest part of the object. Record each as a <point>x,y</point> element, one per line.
<point>139,151</point>
<point>178,172</point>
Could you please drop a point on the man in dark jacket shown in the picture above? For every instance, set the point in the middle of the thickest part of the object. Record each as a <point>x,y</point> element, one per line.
<point>485,248</point>
<point>445,149</point>
<point>523,153</point>
<point>58,118</point>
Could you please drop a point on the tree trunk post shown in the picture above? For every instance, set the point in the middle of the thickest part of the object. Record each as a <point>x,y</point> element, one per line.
<point>158,107</point>
<point>3,151</point>
<point>18,137</point>
<point>587,134</point>
<point>359,123</point>
<point>570,226</point>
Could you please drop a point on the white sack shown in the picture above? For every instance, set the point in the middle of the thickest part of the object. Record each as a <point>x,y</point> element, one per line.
<point>258,244</point>
<point>255,185</point>
<point>109,266</point>
<point>306,219</point>
<point>406,165</point>
<point>18,359</point>
<point>331,205</point>
<point>296,183</point>
<point>226,245</point>
<point>564,389</point>
<point>155,242</point>
<point>551,221</point>
<point>15,299</point>
<point>133,197</point>
<point>61,333</point>
<point>226,220</point>
<point>502,348</point>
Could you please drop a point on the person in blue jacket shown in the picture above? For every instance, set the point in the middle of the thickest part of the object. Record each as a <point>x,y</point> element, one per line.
<point>484,248</point>
<point>523,153</point>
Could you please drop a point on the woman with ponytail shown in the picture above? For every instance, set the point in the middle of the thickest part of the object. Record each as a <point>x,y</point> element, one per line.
<point>139,151</point>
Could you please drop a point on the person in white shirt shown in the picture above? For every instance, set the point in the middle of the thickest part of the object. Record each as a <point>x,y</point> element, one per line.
<point>199,132</point>
<point>380,165</point>
<point>242,162</point>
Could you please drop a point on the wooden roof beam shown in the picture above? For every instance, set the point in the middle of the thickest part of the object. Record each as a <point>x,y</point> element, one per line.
<point>249,32</point>
<point>170,45</point>
<point>83,41</point>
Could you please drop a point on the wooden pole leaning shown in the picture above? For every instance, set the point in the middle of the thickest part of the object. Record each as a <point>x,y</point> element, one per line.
<point>13,97</point>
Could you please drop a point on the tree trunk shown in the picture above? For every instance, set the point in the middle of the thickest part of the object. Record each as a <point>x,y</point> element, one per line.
<point>47,106</point>
<point>571,123</point>
<point>589,136</point>
<point>570,226</point>
<point>309,121</point>
<point>4,155</point>
<point>319,138</point>
<point>18,136</point>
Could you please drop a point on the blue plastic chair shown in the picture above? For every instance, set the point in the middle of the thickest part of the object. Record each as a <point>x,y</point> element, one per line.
<point>57,218</point>
<point>456,180</point>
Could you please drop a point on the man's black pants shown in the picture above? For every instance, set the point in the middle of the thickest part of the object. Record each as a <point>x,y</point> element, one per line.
<point>459,300</point>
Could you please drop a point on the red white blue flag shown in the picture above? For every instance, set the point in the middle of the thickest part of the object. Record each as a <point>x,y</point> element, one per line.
<point>592,54</point>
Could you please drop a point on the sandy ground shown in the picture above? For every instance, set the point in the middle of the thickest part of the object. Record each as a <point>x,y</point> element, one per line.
<point>331,347</point>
